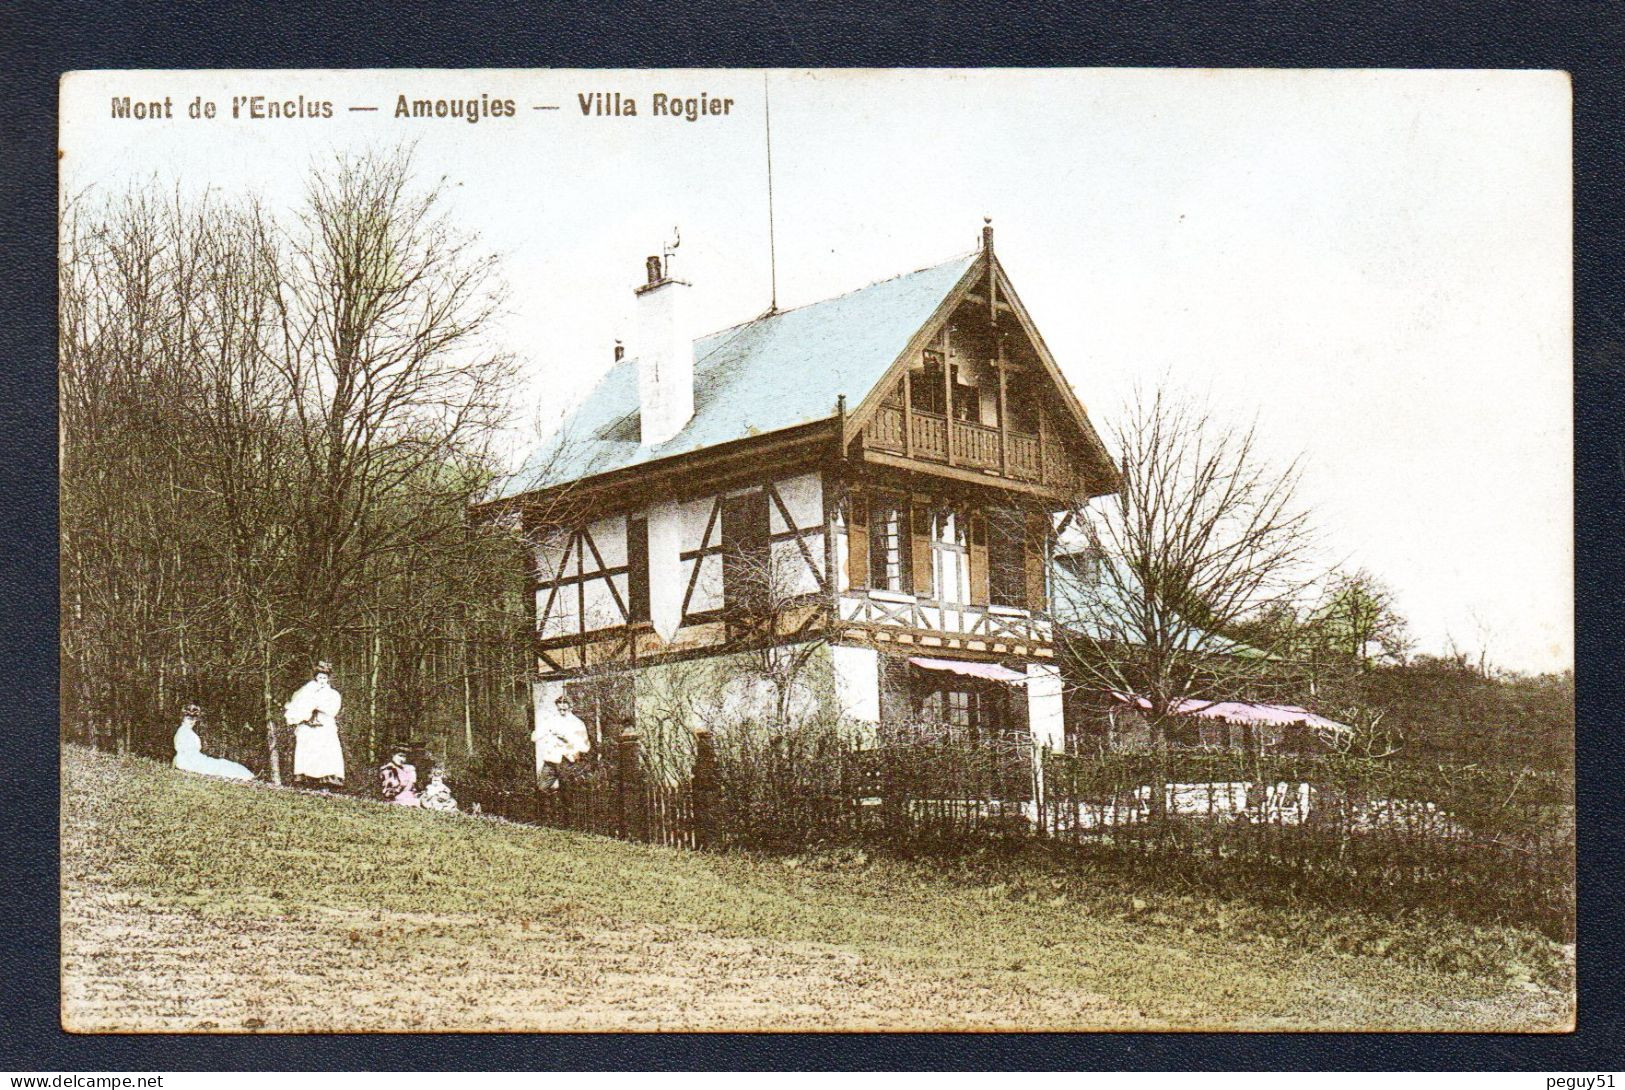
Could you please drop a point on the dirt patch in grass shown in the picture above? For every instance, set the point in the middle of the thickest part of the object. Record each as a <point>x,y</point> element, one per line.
<point>192,905</point>
<point>124,970</point>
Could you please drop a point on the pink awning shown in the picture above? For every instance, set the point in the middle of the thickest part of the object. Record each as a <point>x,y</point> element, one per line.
<point>990,671</point>
<point>1240,711</point>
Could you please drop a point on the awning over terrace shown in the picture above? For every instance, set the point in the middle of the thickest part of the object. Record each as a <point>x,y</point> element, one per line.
<point>989,671</point>
<point>1242,711</point>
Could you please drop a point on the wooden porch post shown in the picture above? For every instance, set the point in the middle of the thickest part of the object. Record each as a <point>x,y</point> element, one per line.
<point>947,398</point>
<point>1004,413</point>
<point>908,417</point>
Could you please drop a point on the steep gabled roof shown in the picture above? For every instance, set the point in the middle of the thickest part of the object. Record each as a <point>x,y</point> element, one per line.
<point>779,371</point>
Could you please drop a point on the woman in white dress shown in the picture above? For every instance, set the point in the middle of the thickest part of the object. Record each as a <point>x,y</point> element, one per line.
<point>313,712</point>
<point>189,756</point>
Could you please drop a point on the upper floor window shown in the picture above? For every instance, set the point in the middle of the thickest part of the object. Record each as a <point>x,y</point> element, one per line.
<point>1007,558</point>
<point>1082,564</point>
<point>967,400</point>
<point>889,546</point>
<point>1021,402</point>
<point>950,554</point>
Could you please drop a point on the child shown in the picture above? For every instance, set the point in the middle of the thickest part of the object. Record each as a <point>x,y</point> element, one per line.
<point>437,796</point>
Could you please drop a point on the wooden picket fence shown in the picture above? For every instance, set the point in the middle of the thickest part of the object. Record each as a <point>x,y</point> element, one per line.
<point>1497,844</point>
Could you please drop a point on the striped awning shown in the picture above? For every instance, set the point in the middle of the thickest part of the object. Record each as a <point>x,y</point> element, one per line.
<point>1242,711</point>
<point>988,671</point>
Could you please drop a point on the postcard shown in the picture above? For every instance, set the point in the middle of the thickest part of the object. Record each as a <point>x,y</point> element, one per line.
<point>723,549</point>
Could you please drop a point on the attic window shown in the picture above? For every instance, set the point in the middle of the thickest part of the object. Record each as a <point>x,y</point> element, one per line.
<point>1021,401</point>
<point>926,388</point>
<point>1083,565</point>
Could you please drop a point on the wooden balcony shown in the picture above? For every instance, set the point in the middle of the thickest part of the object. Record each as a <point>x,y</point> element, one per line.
<point>931,437</point>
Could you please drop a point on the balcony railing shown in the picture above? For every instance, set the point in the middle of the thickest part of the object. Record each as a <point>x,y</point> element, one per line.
<point>975,446</point>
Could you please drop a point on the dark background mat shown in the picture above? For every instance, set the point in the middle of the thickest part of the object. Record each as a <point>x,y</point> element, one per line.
<point>40,41</point>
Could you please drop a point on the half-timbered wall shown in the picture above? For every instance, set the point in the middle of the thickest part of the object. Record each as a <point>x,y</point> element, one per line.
<point>583,579</point>
<point>794,561</point>
<point>586,581</point>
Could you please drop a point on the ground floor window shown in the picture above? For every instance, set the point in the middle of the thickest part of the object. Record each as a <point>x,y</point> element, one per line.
<point>963,703</point>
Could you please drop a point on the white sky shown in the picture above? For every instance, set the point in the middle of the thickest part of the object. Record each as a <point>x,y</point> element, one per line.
<point>1374,265</point>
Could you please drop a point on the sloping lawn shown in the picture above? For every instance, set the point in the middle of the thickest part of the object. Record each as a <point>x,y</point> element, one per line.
<point>191,904</point>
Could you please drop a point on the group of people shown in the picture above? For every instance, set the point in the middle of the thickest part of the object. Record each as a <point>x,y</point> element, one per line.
<point>398,780</point>
<point>318,755</point>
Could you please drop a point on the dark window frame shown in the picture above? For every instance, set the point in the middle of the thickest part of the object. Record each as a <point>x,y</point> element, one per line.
<point>1021,400</point>
<point>1007,559</point>
<point>891,560</point>
<point>963,702</point>
<point>925,391</point>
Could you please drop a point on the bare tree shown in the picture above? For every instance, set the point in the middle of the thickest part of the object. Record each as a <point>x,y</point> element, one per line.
<point>270,435</point>
<point>382,307</point>
<point>776,628</point>
<point>1203,541</point>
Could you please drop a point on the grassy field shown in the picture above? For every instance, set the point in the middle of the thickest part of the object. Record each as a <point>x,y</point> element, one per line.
<point>196,905</point>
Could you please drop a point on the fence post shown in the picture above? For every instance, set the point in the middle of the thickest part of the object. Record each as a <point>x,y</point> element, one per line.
<point>706,788</point>
<point>629,788</point>
<point>1040,826</point>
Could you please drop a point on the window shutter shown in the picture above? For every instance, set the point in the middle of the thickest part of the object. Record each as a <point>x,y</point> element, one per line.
<point>920,540</point>
<point>637,569</point>
<point>745,551</point>
<point>1037,551</point>
<point>978,560</point>
<point>857,539</point>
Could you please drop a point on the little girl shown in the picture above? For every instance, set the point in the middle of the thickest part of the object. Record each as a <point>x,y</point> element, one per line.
<point>437,796</point>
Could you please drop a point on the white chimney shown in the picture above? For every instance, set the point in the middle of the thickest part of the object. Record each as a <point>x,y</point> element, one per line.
<point>665,354</point>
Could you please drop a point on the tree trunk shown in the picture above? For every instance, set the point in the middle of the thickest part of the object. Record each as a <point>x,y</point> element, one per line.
<point>272,721</point>
<point>375,655</point>
<point>468,706</point>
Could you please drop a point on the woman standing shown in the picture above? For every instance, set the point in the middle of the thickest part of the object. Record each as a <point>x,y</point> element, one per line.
<point>318,756</point>
<point>189,755</point>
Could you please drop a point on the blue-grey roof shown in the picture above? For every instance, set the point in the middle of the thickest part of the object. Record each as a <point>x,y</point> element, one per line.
<point>779,371</point>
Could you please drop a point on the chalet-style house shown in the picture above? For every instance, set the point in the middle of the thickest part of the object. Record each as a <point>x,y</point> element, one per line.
<point>875,478</point>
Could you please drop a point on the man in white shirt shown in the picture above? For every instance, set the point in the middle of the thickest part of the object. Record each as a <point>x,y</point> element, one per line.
<point>560,740</point>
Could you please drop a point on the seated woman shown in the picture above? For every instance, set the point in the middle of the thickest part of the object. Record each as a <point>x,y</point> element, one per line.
<point>437,796</point>
<point>399,780</point>
<point>189,756</point>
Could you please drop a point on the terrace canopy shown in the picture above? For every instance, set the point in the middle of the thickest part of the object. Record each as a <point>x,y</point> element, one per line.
<point>988,671</point>
<point>1242,711</point>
